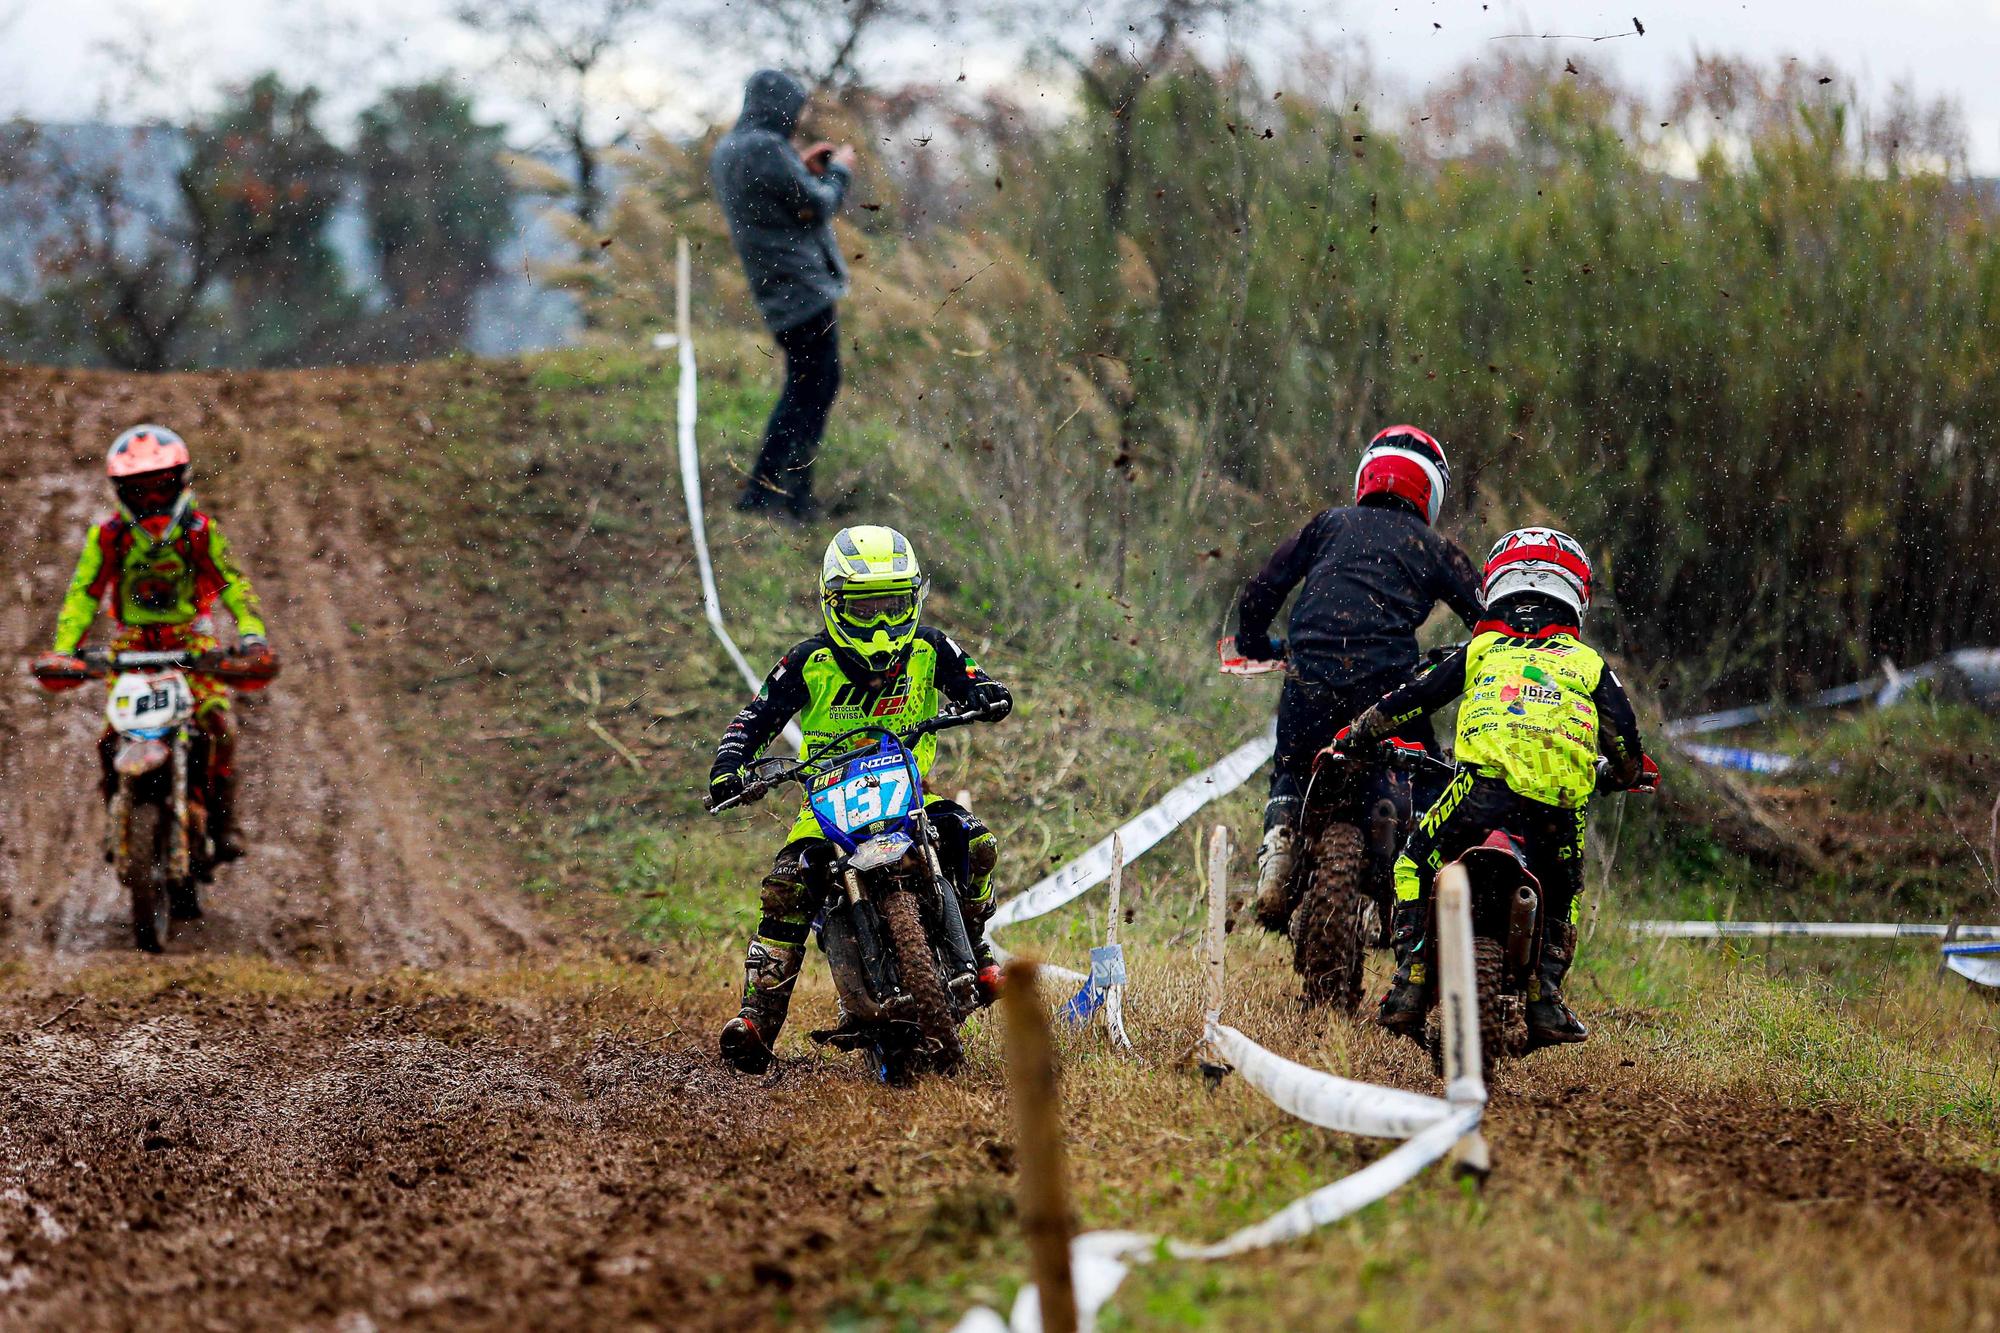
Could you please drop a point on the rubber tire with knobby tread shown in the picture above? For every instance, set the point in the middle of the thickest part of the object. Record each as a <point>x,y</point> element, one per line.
<point>1488,974</point>
<point>1489,964</point>
<point>916,967</point>
<point>1331,926</point>
<point>138,866</point>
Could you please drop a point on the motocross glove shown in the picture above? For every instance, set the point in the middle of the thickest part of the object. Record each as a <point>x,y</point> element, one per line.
<point>59,671</point>
<point>250,643</point>
<point>1362,732</point>
<point>1645,780</point>
<point>992,698</point>
<point>1260,648</point>
<point>726,787</point>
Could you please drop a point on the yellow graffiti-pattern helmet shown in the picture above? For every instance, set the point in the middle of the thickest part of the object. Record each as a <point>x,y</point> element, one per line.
<point>871,590</point>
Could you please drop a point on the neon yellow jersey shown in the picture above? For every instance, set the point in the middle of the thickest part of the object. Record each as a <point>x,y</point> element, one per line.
<point>1528,716</point>
<point>836,704</point>
<point>145,580</point>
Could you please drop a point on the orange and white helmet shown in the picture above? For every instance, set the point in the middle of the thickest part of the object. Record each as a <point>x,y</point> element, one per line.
<point>148,467</point>
<point>145,449</point>
<point>1409,464</point>
<point>1542,561</point>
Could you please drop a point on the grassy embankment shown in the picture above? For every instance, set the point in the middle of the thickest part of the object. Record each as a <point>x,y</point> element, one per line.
<point>1651,1177</point>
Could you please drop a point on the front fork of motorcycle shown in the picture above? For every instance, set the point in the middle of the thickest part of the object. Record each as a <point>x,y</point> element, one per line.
<point>117,816</point>
<point>958,943</point>
<point>178,855</point>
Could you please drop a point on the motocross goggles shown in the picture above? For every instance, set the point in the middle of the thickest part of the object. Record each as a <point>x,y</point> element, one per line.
<point>865,610</point>
<point>151,494</point>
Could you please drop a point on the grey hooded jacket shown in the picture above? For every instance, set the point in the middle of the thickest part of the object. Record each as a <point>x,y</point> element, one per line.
<point>780,215</point>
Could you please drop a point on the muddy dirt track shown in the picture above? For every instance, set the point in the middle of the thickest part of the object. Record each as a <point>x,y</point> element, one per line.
<point>351,1100</point>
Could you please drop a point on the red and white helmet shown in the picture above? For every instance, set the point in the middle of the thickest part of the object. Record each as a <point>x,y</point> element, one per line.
<point>1539,560</point>
<point>1405,462</point>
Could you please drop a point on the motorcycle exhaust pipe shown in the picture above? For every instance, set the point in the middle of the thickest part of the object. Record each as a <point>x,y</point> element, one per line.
<point>1523,922</point>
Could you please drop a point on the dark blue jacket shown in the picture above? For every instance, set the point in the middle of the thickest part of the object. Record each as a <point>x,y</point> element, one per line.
<point>780,215</point>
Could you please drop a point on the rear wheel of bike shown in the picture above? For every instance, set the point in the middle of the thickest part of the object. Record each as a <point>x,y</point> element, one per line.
<point>1495,1039</point>
<point>1489,963</point>
<point>916,966</point>
<point>1335,921</point>
<point>138,864</point>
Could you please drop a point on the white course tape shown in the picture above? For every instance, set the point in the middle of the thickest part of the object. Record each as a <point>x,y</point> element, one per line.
<point>1324,1099</point>
<point>1836,930</point>
<point>1977,963</point>
<point>711,600</point>
<point>1141,833</point>
<point>1347,1195</point>
<point>1099,1260</point>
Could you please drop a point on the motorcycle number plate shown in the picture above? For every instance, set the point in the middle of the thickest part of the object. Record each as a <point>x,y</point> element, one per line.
<point>865,793</point>
<point>149,702</point>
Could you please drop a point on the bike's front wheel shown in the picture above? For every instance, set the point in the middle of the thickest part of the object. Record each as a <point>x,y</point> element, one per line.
<point>916,967</point>
<point>138,854</point>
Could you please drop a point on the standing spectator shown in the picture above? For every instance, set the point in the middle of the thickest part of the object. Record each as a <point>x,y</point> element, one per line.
<point>780,205</point>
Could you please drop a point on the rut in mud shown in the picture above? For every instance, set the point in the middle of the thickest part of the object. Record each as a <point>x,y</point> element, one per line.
<point>190,1161</point>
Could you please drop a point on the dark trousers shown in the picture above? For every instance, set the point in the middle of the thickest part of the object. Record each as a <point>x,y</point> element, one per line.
<point>1310,714</point>
<point>783,475</point>
<point>1472,807</point>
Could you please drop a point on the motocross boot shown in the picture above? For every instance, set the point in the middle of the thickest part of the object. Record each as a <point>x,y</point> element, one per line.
<point>1276,856</point>
<point>1408,1001</point>
<point>770,967</point>
<point>984,965</point>
<point>982,853</point>
<point>223,832</point>
<point>1550,1021</point>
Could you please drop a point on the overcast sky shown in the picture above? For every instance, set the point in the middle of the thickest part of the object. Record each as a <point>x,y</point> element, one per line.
<point>50,65</point>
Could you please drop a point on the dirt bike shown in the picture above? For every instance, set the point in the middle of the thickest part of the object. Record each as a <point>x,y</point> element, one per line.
<point>156,834</point>
<point>1506,902</point>
<point>1353,820</point>
<point>889,924</point>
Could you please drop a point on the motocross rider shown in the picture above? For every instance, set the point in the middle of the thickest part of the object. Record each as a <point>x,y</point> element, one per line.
<point>1540,705</point>
<point>1369,576</point>
<point>872,664</point>
<point>157,565</point>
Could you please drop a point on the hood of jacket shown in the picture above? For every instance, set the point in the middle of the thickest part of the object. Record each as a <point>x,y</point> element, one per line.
<point>772,100</point>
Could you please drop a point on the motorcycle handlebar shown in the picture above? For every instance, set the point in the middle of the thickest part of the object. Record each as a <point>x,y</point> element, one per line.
<point>231,665</point>
<point>103,659</point>
<point>769,773</point>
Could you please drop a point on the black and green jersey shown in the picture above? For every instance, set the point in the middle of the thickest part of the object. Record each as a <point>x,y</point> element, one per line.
<point>810,683</point>
<point>1538,710</point>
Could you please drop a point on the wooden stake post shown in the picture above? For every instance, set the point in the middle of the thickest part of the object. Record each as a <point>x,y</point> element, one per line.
<point>1043,1187</point>
<point>1114,996</point>
<point>1215,944</point>
<point>1458,1001</point>
<point>683,295</point>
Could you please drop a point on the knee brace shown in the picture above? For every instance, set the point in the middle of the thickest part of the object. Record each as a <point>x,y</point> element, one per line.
<point>982,853</point>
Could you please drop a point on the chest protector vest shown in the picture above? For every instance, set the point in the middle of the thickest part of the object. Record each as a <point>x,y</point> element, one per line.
<point>838,704</point>
<point>157,581</point>
<point>1528,718</point>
